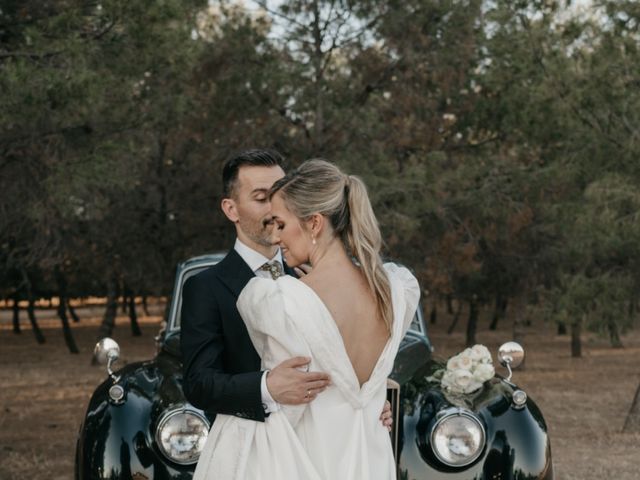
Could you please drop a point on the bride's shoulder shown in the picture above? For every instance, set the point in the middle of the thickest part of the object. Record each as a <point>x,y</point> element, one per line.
<point>260,286</point>
<point>400,274</point>
<point>265,307</point>
<point>407,292</point>
<point>264,289</point>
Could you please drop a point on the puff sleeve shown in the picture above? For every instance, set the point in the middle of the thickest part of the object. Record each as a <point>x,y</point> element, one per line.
<point>263,307</point>
<point>272,328</point>
<point>408,293</point>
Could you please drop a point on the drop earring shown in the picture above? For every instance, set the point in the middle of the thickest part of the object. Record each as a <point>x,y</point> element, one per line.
<point>313,240</point>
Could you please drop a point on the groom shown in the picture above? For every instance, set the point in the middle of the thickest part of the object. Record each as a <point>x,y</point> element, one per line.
<point>221,367</point>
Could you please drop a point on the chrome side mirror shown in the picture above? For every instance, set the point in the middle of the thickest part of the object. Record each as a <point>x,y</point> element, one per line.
<point>107,351</point>
<point>510,355</point>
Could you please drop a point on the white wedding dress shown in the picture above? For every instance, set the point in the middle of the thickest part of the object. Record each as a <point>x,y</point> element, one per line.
<point>339,435</point>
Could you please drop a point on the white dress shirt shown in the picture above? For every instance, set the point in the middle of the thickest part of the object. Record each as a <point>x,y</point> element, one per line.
<point>255,260</point>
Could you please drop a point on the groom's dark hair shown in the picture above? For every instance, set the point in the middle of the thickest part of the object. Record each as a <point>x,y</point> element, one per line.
<point>248,158</point>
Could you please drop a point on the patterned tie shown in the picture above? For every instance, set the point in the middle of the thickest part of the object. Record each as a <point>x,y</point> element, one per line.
<point>274,268</point>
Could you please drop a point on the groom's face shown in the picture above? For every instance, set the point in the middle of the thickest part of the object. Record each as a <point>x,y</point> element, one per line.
<point>249,206</point>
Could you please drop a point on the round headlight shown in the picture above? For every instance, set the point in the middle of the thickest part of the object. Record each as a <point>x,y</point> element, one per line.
<point>458,438</point>
<point>181,435</point>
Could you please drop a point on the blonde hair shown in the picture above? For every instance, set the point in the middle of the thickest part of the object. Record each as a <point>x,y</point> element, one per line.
<point>318,186</point>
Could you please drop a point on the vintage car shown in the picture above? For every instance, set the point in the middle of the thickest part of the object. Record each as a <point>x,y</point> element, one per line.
<point>138,424</point>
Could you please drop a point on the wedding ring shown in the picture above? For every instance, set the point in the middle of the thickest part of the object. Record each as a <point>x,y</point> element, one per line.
<point>308,394</point>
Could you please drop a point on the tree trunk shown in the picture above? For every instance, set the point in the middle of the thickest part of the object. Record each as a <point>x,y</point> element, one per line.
<point>109,319</point>
<point>496,314</point>
<point>562,328</point>
<point>31,309</point>
<point>124,304</point>
<point>16,314</point>
<point>449,304</point>
<point>614,333</point>
<point>499,312</point>
<point>633,308</point>
<point>145,308</point>
<point>472,323</point>
<point>62,312</point>
<point>518,325</point>
<point>317,60</point>
<point>135,328</point>
<point>72,311</point>
<point>576,342</point>
<point>34,322</point>
<point>632,423</point>
<point>66,328</point>
<point>433,316</point>
<point>456,317</point>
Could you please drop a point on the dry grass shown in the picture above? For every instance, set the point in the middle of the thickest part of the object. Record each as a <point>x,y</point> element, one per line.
<point>44,392</point>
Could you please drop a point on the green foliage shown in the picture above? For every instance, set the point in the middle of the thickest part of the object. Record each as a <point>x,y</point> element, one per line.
<point>499,140</point>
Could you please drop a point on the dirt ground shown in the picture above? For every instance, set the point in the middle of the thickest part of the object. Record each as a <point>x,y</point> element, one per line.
<point>44,392</point>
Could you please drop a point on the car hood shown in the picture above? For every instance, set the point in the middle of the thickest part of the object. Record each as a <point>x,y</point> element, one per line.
<point>519,431</point>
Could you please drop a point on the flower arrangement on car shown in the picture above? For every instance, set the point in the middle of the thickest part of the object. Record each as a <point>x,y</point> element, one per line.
<point>467,371</point>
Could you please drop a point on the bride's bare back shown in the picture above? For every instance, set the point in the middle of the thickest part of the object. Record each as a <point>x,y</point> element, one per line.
<point>345,293</point>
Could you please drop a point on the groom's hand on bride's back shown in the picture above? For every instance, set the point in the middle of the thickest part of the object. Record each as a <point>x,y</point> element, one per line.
<point>289,385</point>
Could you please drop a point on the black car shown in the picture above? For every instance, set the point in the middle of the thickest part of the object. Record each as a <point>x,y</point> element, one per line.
<point>138,424</point>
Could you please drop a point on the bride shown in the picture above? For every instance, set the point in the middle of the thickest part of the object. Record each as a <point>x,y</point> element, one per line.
<point>348,315</point>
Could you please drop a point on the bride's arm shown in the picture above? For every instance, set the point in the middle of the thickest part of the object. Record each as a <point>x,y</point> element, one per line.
<point>263,306</point>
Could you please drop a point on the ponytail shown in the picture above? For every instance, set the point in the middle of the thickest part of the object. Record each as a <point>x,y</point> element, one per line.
<point>364,240</point>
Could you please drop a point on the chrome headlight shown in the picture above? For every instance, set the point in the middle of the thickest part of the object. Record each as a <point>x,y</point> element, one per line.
<point>457,438</point>
<point>181,435</point>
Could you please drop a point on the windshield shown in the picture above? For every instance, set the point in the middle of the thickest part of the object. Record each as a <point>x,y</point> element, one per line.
<point>176,307</point>
<point>417,324</point>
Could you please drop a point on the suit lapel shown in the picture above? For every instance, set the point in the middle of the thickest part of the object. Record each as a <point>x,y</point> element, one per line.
<point>234,272</point>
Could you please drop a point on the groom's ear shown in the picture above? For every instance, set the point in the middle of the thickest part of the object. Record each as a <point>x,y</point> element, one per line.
<point>229,209</point>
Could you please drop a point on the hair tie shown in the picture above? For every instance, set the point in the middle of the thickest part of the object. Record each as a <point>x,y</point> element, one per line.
<point>347,185</point>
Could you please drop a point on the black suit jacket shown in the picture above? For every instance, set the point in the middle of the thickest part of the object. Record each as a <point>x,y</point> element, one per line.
<point>221,366</point>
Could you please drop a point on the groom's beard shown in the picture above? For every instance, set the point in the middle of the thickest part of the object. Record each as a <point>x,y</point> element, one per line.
<point>258,231</point>
<point>269,229</point>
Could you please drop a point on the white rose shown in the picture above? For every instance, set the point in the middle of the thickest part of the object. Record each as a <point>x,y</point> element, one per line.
<point>462,378</point>
<point>483,372</point>
<point>453,363</point>
<point>472,386</point>
<point>481,353</point>
<point>474,354</point>
<point>461,381</point>
<point>465,362</point>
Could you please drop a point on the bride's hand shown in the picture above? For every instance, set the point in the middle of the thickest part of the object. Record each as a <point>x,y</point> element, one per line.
<point>386,416</point>
<point>290,386</point>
